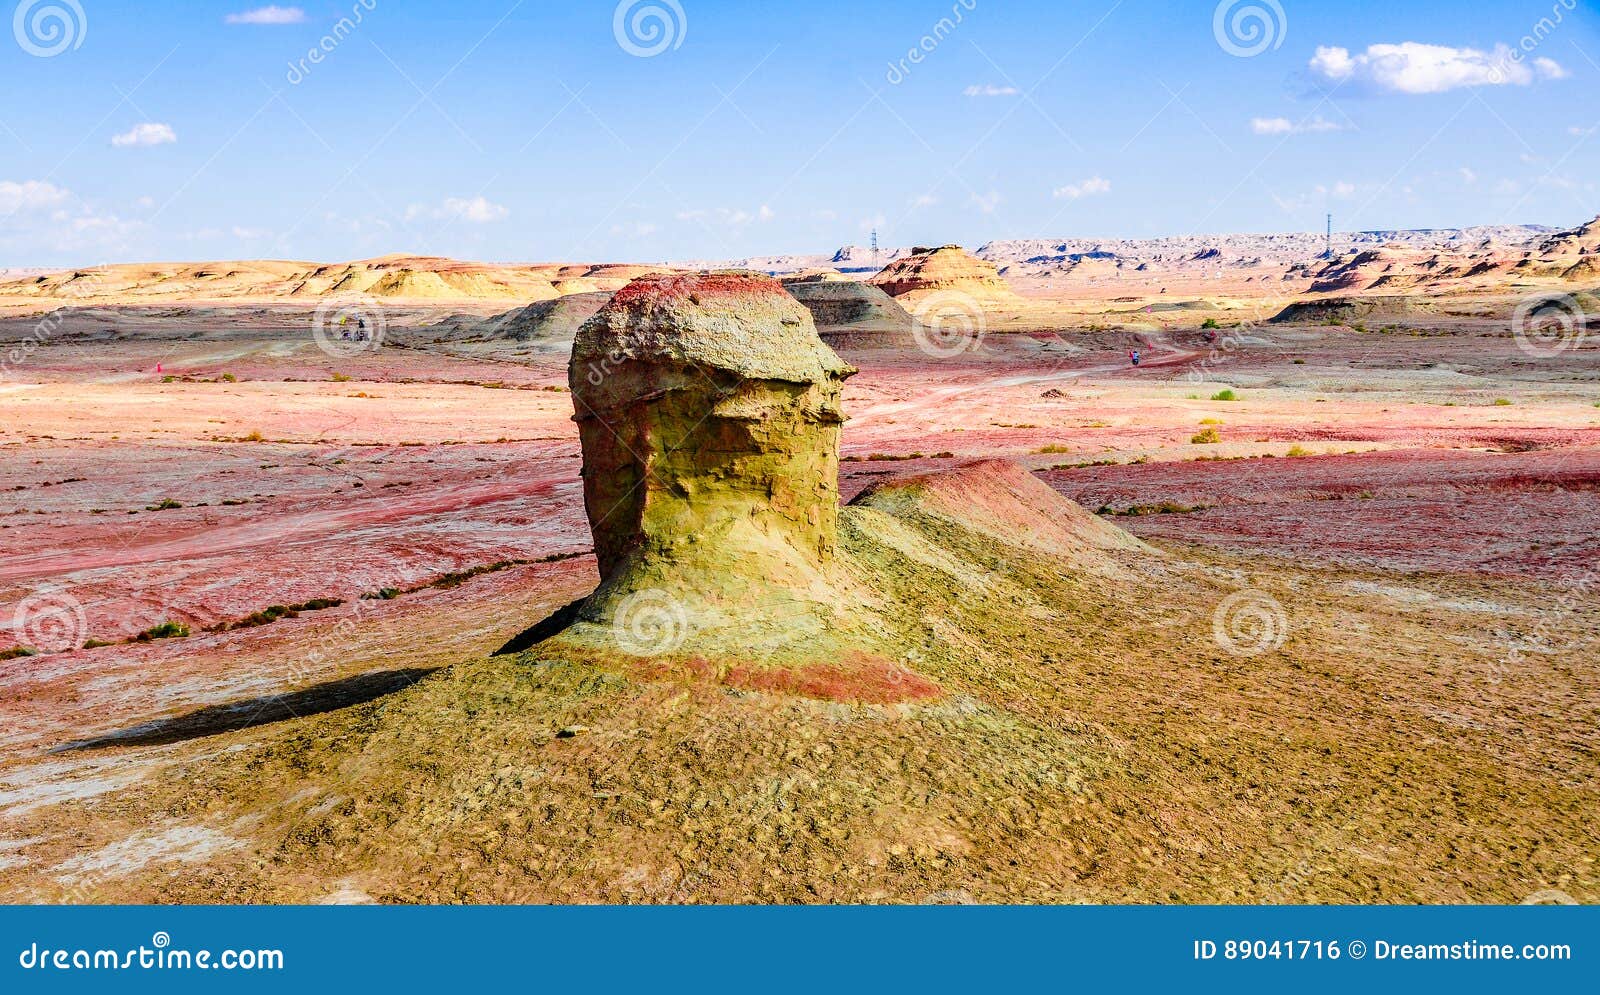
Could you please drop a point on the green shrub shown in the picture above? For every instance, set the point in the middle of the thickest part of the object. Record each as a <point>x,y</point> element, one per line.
<point>1225,394</point>
<point>1206,436</point>
<point>163,630</point>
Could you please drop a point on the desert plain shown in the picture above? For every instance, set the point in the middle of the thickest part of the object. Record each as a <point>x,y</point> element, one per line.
<point>263,527</point>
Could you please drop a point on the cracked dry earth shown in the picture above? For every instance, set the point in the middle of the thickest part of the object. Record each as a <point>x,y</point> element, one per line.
<point>1426,731</point>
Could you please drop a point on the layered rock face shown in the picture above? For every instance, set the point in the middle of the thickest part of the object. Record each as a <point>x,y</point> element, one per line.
<point>708,411</point>
<point>947,268</point>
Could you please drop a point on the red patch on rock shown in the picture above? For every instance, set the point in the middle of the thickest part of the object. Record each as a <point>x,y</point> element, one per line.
<point>677,287</point>
<point>869,680</point>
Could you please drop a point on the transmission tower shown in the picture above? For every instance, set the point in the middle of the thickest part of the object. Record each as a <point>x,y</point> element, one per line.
<point>1327,244</point>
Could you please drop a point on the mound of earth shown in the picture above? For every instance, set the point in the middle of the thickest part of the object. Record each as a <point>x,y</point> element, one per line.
<point>948,268</point>
<point>842,307</point>
<point>1001,499</point>
<point>548,324</point>
<point>1345,310</point>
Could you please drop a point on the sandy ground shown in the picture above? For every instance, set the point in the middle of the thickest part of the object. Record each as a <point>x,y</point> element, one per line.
<point>1433,483</point>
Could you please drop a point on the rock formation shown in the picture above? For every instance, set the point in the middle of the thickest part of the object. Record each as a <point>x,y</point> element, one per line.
<point>843,306</point>
<point>947,268</point>
<point>709,414</point>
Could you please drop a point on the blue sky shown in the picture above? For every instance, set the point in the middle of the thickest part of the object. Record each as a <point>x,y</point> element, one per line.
<point>495,130</point>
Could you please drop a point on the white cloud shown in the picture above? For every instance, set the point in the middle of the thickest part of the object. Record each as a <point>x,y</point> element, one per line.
<point>1550,68</point>
<point>30,195</point>
<point>1579,131</point>
<point>1284,126</point>
<point>145,202</point>
<point>990,90</point>
<point>478,211</point>
<point>986,202</point>
<point>145,135</point>
<point>1094,186</point>
<point>250,234</point>
<point>1468,176</point>
<point>924,200</point>
<point>1416,68</point>
<point>37,216</point>
<point>268,15</point>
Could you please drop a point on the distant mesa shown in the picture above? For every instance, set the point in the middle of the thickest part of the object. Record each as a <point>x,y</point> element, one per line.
<point>425,279</point>
<point>946,268</point>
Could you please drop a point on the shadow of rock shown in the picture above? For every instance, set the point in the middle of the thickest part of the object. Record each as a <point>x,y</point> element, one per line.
<point>253,712</point>
<point>562,619</point>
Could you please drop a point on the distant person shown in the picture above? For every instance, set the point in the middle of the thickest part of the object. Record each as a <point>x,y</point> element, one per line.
<point>1134,357</point>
